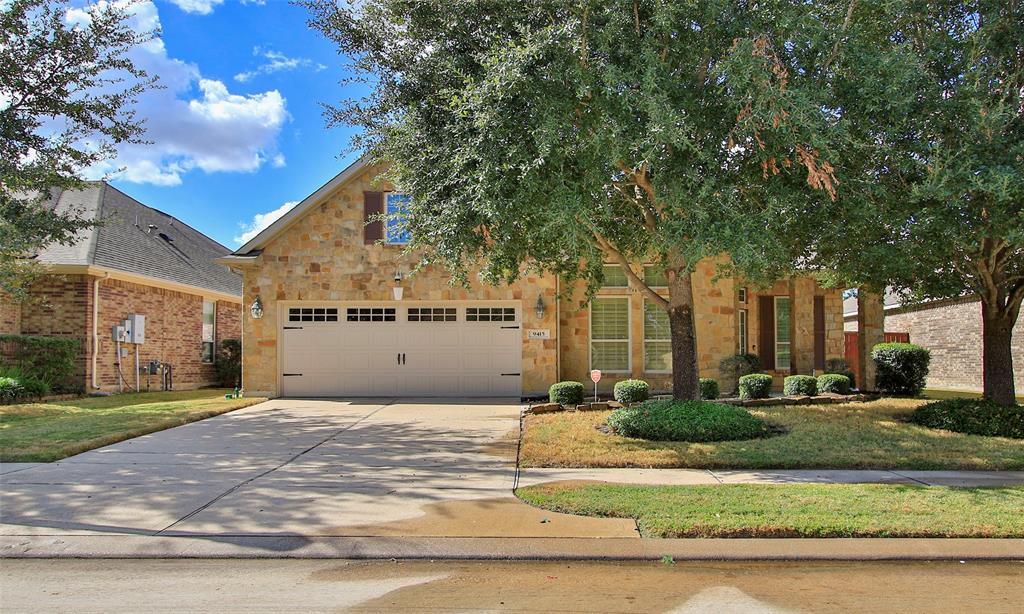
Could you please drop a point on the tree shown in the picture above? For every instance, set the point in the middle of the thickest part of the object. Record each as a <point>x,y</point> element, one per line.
<point>945,216</point>
<point>65,95</point>
<point>555,135</point>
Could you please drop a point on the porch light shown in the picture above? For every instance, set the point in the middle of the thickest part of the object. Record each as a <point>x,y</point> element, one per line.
<point>256,309</point>
<point>539,307</point>
<point>397,292</point>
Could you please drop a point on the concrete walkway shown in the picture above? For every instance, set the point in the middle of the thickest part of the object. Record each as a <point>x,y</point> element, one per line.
<point>693,477</point>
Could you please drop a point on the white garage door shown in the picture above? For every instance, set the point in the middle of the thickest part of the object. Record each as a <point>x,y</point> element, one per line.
<point>387,350</point>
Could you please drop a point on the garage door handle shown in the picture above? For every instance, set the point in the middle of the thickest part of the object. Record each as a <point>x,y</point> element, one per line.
<point>511,374</point>
<point>516,327</point>
<point>403,358</point>
<point>291,375</point>
<point>293,328</point>
<point>398,358</point>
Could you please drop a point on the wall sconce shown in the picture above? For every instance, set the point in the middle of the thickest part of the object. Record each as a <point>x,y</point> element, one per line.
<point>539,307</point>
<point>398,291</point>
<point>256,309</point>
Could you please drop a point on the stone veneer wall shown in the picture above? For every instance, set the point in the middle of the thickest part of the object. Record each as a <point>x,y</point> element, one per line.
<point>952,331</point>
<point>321,257</point>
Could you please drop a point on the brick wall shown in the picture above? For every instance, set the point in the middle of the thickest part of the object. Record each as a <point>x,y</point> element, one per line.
<point>952,331</point>
<point>60,305</point>
<point>10,317</point>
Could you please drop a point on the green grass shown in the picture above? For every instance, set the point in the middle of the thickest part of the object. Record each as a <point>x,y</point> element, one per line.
<point>874,435</point>
<point>42,432</point>
<point>939,393</point>
<point>801,510</point>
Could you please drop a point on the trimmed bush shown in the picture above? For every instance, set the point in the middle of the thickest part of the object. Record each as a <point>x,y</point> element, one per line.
<point>800,385</point>
<point>708,389</point>
<point>51,359</point>
<point>834,383</point>
<point>32,387</point>
<point>630,391</point>
<point>972,416</point>
<point>839,366</point>
<point>671,420</point>
<point>733,368</point>
<point>566,393</point>
<point>755,386</point>
<point>10,390</point>
<point>229,363</point>
<point>902,367</point>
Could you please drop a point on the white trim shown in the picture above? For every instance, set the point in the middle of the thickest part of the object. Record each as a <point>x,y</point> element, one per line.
<point>144,280</point>
<point>645,340</point>
<point>629,333</point>
<point>775,323</point>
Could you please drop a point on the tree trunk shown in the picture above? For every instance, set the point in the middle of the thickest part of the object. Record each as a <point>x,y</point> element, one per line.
<point>997,356</point>
<point>684,335</point>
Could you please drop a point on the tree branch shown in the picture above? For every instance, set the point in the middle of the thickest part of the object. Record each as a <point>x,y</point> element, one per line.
<point>634,279</point>
<point>842,30</point>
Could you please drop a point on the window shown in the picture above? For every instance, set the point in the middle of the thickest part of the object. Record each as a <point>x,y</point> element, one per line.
<point>742,295</point>
<point>312,314</point>
<point>209,330</point>
<point>655,277</point>
<point>782,333</point>
<point>370,314</point>
<point>431,314</point>
<point>396,207</point>
<point>614,277</point>
<point>490,314</point>
<point>609,334</point>
<point>657,340</point>
<point>741,346</point>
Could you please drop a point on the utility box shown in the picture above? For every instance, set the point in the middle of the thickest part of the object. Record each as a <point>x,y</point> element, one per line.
<point>119,333</point>
<point>135,327</point>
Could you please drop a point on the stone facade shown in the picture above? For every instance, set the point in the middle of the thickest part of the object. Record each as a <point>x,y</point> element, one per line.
<point>63,305</point>
<point>952,331</point>
<point>321,256</point>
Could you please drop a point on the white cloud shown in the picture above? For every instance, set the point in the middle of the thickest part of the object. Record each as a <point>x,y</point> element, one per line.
<point>201,7</point>
<point>193,122</point>
<point>276,62</point>
<point>260,221</point>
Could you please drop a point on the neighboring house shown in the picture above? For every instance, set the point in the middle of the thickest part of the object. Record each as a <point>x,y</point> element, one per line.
<point>951,329</point>
<point>338,314</point>
<point>139,261</point>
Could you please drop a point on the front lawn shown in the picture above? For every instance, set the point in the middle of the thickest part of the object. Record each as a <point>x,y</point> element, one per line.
<point>873,435</point>
<point>42,432</point>
<point>829,510</point>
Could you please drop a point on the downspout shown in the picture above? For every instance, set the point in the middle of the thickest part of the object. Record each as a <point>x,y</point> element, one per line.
<point>96,327</point>
<point>558,328</point>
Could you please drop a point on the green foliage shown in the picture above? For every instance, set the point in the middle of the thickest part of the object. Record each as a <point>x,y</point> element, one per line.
<point>229,363</point>
<point>32,387</point>
<point>696,421</point>
<point>755,386</point>
<point>800,385</point>
<point>902,368</point>
<point>972,416</point>
<point>566,393</point>
<point>68,92</point>
<point>835,383</point>
<point>839,366</point>
<point>50,359</point>
<point>631,391</point>
<point>733,368</point>
<point>708,388</point>
<point>10,390</point>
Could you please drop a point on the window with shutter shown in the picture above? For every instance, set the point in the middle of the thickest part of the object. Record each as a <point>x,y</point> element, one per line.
<point>819,333</point>
<point>783,333</point>
<point>766,331</point>
<point>373,205</point>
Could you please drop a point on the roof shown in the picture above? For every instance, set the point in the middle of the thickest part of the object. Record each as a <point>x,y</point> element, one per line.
<point>137,239</point>
<point>296,212</point>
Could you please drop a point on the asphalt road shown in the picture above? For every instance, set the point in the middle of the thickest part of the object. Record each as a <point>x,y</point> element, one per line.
<point>184,585</point>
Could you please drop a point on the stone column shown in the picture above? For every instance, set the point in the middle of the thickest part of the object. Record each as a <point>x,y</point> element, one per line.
<point>871,331</point>
<point>802,299</point>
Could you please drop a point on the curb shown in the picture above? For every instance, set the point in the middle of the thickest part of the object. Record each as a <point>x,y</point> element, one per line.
<point>462,548</point>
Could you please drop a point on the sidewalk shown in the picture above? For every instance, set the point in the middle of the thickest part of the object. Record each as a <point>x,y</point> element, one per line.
<point>695,477</point>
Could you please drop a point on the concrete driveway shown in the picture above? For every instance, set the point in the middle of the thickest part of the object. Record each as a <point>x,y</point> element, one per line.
<point>299,467</point>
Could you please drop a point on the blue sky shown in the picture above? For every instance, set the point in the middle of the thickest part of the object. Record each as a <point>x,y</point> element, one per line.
<point>238,132</point>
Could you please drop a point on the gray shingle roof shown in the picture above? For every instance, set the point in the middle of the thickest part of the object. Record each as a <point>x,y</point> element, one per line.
<point>138,239</point>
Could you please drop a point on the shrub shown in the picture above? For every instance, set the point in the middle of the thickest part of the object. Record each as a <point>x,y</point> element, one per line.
<point>972,416</point>
<point>839,366</point>
<point>755,386</point>
<point>566,393</point>
<point>733,368</point>
<point>671,420</point>
<point>800,385</point>
<point>229,363</point>
<point>10,390</point>
<point>902,367</point>
<point>708,388</point>
<point>32,387</point>
<point>51,359</point>
<point>834,383</point>
<point>631,391</point>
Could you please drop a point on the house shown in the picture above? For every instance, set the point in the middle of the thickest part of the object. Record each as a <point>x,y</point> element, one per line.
<point>138,261</point>
<point>332,310</point>
<point>951,330</point>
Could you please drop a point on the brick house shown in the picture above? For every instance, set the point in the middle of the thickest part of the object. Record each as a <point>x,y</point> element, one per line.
<point>138,261</point>
<point>340,315</point>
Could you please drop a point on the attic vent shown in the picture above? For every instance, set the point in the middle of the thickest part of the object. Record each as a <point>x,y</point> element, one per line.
<point>165,237</point>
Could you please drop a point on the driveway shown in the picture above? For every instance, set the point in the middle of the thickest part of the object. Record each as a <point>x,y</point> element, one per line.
<point>299,467</point>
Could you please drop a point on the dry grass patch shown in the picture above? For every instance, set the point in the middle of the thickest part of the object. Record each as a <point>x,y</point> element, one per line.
<point>873,435</point>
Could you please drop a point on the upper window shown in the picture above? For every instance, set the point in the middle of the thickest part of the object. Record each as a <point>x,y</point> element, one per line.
<point>655,277</point>
<point>209,331</point>
<point>609,334</point>
<point>614,277</point>
<point>742,295</point>
<point>782,333</point>
<point>397,207</point>
<point>657,339</point>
